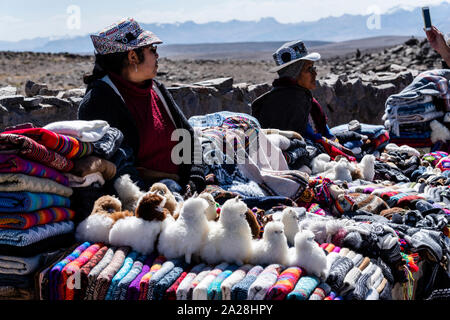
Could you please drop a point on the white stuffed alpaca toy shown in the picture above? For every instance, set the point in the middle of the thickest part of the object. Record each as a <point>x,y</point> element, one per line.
<point>230,238</point>
<point>272,248</point>
<point>186,236</point>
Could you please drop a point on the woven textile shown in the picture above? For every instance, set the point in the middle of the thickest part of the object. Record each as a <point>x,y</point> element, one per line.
<point>240,290</point>
<point>69,147</point>
<point>285,284</point>
<point>10,163</point>
<point>214,289</point>
<point>80,293</point>
<point>55,272</point>
<point>134,289</point>
<point>23,221</point>
<point>108,144</point>
<point>94,273</point>
<point>185,285</point>
<point>27,202</point>
<point>304,288</point>
<point>113,292</point>
<point>201,290</point>
<point>166,282</point>
<point>135,270</point>
<point>66,287</point>
<point>264,282</point>
<point>158,276</point>
<point>171,293</point>
<point>144,284</point>
<point>30,149</point>
<point>15,182</point>
<point>233,279</point>
<point>19,266</point>
<point>22,238</point>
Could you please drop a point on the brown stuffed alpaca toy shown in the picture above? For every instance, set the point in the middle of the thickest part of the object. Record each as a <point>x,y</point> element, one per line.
<point>151,207</point>
<point>107,205</point>
<point>171,203</point>
<point>253,223</point>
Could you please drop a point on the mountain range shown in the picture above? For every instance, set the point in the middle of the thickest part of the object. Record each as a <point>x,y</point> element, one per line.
<point>396,22</point>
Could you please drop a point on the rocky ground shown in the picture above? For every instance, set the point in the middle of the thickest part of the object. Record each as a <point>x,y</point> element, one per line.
<point>65,71</point>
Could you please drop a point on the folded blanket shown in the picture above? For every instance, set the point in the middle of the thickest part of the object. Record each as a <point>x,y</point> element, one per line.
<point>144,283</point>
<point>214,289</point>
<point>199,278</point>
<point>22,238</point>
<point>86,181</point>
<point>135,270</point>
<point>285,284</point>
<point>30,149</point>
<point>19,266</point>
<point>201,290</point>
<point>304,288</point>
<point>16,182</point>
<point>23,221</point>
<point>72,270</point>
<point>171,293</point>
<point>69,147</point>
<point>157,276</point>
<point>166,282</point>
<point>92,164</point>
<point>109,143</point>
<point>264,282</point>
<point>18,281</point>
<point>233,279</point>
<point>28,202</point>
<point>10,163</point>
<point>87,131</point>
<point>240,290</point>
<point>183,288</point>
<point>16,294</point>
<point>80,293</point>
<point>113,292</point>
<point>104,279</point>
<point>134,289</point>
<point>55,272</point>
<point>94,273</point>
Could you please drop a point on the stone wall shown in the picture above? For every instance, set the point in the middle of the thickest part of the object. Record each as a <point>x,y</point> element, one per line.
<point>343,97</point>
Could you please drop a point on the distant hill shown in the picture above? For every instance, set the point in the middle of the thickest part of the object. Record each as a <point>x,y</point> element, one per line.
<point>397,22</point>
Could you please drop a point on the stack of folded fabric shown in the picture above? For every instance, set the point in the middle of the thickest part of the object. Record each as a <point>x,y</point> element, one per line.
<point>35,217</point>
<point>416,115</point>
<point>362,138</point>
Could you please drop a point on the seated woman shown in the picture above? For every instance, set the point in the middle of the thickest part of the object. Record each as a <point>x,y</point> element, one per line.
<point>290,105</point>
<point>123,92</point>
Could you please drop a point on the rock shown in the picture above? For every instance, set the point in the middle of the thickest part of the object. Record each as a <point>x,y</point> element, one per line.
<point>75,101</point>
<point>54,101</point>
<point>33,89</point>
<point>412,42</point>
<point>32,103</point>
<point>48,92</point>
<point>8,91</point>
<point>397,49</point>
<point>396,68</point>
<point>222,84</point>
<point>75,93</point>
<point>9,101</point>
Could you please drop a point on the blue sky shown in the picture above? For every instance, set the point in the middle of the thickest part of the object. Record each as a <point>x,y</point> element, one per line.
<point>25,19</point>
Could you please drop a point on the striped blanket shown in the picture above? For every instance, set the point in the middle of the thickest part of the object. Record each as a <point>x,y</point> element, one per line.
<point>23,221</point>
<point>10,163</point>
<point>29,202</point>
<point>68,146</point>
<point>30,149</point>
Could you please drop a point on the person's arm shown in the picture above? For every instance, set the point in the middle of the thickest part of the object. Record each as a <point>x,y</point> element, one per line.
<point>438,43</point>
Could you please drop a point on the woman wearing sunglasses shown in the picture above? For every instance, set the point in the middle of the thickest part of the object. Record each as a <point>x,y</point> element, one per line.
<point>290,105</point>
<point>122,91</point>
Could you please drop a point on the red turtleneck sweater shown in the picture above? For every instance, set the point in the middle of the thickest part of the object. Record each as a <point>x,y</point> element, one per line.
<point>153,122</point>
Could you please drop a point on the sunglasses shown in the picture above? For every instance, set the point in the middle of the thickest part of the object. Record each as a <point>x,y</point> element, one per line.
<point>311,70</point>
<point>153,49</point>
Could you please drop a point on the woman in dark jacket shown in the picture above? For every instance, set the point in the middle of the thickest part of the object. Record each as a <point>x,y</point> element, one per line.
<point>290,105</point>
<point>123,92</point>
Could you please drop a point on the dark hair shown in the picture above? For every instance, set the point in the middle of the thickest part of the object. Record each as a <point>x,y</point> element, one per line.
<point>113,62</point>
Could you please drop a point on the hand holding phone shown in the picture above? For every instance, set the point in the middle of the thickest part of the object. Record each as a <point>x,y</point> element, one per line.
<point>426,18</point>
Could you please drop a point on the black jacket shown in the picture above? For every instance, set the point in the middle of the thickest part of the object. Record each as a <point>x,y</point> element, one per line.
<point>101,102</point>
<point>284,108</point>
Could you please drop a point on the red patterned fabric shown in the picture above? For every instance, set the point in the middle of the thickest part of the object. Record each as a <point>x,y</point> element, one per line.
<point>69,147</point>
<point>30,149</point>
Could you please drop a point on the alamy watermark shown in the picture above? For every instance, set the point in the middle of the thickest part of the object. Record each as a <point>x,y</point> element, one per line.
<point>374,20</point>
<point>73,21</point>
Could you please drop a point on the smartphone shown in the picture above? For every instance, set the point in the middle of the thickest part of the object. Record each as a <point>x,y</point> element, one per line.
<point>427,18</point>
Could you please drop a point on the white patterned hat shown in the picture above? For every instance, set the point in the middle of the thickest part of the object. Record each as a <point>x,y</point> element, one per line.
<point>292,52</point>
